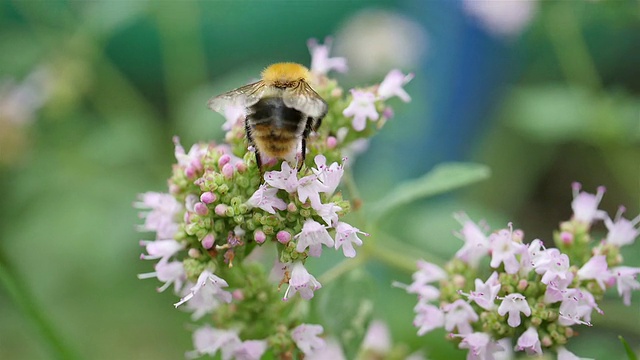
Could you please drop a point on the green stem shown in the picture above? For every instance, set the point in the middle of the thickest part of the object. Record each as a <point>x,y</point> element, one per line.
<point>342,268</point>
<point>27,304</point>
<point>397,254</point>
<point>570,46</point>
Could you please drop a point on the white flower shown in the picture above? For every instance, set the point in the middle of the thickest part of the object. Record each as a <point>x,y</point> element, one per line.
<point>233,114</point>
<point>621,231</point>
<point>306,338</point>
<point>504,250</point>
<point>486,292</point>
<point>208,341</point>
<point>302,282</point>
<point>553,265</point>
<point>160,249</point>
<point>392,85</point>
<point>596,269</point>
<point>459,314</point>
<point>564,354</point>
<point>480,345</point>
<point>514,304</point>
<point>328,212</point>
<point>169,273</point>
<point>585,205</point>
<point>313,236</point>
<point>329,176</point>
<point>377,338</point>
<point>162,217</point>
<point>265,198</point>
<point>321,63</point>
<point>361,108</point>
<point>476,243</point>
<point>332,350</point>
<point>309,187</point>
<point>346,237</point>
<point>250,350</point>
<point>285,179</point>
<point>626,280</point>
<point>529,341</point>
<point>428,317</point>
<point>217,284</point>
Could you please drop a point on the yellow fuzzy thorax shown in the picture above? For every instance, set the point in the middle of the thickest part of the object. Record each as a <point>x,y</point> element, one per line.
<point>284,74</point>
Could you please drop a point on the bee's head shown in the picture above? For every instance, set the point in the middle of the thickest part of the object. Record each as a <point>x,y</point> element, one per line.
<point>285,75</point>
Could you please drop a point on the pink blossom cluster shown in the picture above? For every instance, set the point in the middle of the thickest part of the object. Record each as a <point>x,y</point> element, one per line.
<point>531,287</point>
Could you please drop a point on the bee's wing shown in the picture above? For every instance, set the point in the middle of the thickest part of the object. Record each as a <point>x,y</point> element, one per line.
<point>244,96</point>
<point>304,99</point>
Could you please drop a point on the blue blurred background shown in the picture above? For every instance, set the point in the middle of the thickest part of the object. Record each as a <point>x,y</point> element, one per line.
<point>545,93</point>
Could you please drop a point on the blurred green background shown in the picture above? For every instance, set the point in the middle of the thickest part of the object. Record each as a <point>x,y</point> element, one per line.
<point>545,93</point>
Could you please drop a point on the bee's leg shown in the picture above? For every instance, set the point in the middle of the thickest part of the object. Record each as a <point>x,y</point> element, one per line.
<point>247,129</point>
<point>305,135</point>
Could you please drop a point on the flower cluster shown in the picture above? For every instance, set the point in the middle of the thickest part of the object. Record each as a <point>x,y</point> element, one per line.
<point>535,295</point>
<point>222,215</point>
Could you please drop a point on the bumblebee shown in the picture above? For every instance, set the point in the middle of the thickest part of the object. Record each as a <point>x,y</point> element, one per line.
<point>281,110</point>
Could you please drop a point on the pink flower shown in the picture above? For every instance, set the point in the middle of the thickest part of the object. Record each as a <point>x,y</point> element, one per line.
<point>553,265</point>
<point>306,337</point>
<point>301,281</point>
<point>234,114</point>
<point>162,217</point>
<point>428,272</point>
<point>265,198</point>
<point>476,243</point>
<point>321,63</point>
<point>626,280</point>
<point>459,314</point>
<point>486,292</point>
<point>332,350</point>
<point>480,345</point>
<point>310,188</point>
<point>329,176</point>
<point>529,341</point>
<point>514,304</point>
<point>557,289</point>
<point>346,237</point>
<point>208,341</point>
<point>250,350</point>
<point>428,317</point>
<point>621,231</point>
<point>285,179</point>
<point>169,273</point>
<point>576,308</point>
<point>392,85</point>
<point>217,284</point>
<point>361,108</point>
<point>191,162</point>
<point>503,250</point>
<point>313,236</point>
<point>328,212</point>
<point>564,354</point>
<point>160,249</point>
<point>377,338</point>
<point>585,205</point>
<point>596,269</point>
<point>203,302</point>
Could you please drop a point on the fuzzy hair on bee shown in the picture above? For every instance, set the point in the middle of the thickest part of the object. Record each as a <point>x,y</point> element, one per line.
<point>281,111</point>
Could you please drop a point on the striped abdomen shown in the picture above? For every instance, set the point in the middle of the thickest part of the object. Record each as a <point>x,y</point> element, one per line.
<point>274,129</point>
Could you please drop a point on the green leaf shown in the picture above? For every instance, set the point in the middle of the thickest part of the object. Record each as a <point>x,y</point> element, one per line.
<point>443,178</point>
<point>630,354</point>
<point>558,113</point>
